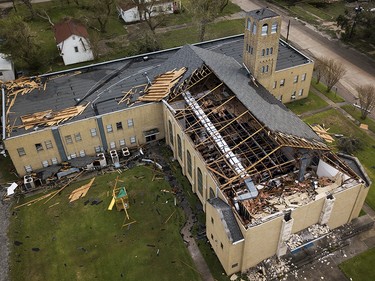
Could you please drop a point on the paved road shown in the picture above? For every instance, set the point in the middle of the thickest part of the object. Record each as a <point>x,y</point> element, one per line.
<point>360,68</point>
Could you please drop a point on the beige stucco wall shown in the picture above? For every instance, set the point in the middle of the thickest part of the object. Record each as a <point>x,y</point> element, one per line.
<point>345,205</point>
<point>307,215</point>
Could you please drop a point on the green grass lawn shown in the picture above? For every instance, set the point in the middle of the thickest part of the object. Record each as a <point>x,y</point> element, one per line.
<point>337,123</point>
<point>333,96</point>
<point>86,242</point>
<point>312,102</point>
<point>189,35</point>
<point>356,113</point>
<point>360,267</point>
<point>205,248</point>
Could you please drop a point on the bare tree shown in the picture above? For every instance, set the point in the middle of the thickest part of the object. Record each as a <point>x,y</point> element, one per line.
<point>29,6</point>
<point>222,5</point>
<point>319,68</point>
<point>20,44</point>
<point>366,96</point>
<point>334,71</point>
<point>102,9</point>
<point>151,13</point>
<point>203,12</point>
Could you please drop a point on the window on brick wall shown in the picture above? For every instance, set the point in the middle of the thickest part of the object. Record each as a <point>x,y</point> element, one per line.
<point>21,151</point>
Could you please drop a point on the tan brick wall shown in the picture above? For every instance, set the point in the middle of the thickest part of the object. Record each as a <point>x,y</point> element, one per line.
<point>144,117</point>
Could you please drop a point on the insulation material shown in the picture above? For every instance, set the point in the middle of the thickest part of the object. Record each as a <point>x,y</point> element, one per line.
<point>326,170</point>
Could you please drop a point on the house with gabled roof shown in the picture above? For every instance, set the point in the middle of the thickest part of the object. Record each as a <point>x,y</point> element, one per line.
<point>137,10</point>
<point>6,69</point>
<point>73,41</point>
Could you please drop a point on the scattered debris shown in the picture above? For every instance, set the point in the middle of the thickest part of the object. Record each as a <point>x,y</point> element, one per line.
<point>80,192</point>
<point>323,133</point>
<point>162,85</point>
<point>364,126</point>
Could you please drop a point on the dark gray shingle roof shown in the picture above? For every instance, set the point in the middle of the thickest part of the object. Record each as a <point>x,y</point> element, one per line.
<point>265,107</point>
<point>234,231</point>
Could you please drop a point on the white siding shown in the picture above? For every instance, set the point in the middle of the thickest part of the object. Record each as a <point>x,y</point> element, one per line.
<point>69,53</point>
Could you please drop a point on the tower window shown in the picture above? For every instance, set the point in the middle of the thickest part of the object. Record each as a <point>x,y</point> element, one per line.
<point>282,82</point>
<point>264,29</point>
<point>274,28</point>
<point>303,77</point>
<point>254,28</point>
<point>271,50</point>
<point>295,79</point>
<point>248,24</point>
<point>263,52</point>
<point>300,92</point>
<point>293,97</point>
<point>267,51</point>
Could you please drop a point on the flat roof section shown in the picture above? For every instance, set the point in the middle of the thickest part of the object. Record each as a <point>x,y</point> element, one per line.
<point>262,14</point>
<point>289,57</point>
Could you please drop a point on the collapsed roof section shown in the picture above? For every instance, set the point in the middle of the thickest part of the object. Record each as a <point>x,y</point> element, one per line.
<point>257,150</point>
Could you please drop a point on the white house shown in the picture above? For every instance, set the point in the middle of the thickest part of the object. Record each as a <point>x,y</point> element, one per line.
<point>130,11</point>
<point>73,42</point>
<point>6,70</point>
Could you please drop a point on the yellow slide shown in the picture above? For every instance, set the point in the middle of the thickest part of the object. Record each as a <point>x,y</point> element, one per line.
<point>112,204</point>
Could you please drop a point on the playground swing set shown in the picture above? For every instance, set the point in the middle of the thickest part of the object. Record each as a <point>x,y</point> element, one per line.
<point>120,198</point>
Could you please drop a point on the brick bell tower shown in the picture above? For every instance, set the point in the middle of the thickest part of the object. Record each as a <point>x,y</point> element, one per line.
<point>261,43</point>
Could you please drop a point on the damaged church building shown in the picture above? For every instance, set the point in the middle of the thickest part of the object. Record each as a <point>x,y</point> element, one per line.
<point>261,174</point>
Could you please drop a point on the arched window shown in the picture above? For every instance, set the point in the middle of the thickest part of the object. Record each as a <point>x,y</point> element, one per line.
<point>264,29</point>
<point>179,147</point>
<point>254,28</point>
<point>188,160</point>
<point>200,181</point>
<point>248,25</point>
<point>274,28</point>
<point>170,132</point>
<point>267,51</point>
<point>271,50</point>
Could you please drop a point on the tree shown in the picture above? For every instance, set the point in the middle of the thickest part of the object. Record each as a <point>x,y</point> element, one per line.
<point>366,96</point>
<point>102,10</point>
<point>148,14</point>
<point>20,44</point>
<point>320,68</point>
<point>203,12</point>
<point>30,7</point>
<point>349,144</point>
<point>222,5</point>
<point>334,71</point>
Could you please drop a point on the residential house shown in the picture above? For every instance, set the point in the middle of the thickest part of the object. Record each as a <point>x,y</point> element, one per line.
<point>137,10</point>
<point>6,69</point>
<point>73,42</point>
